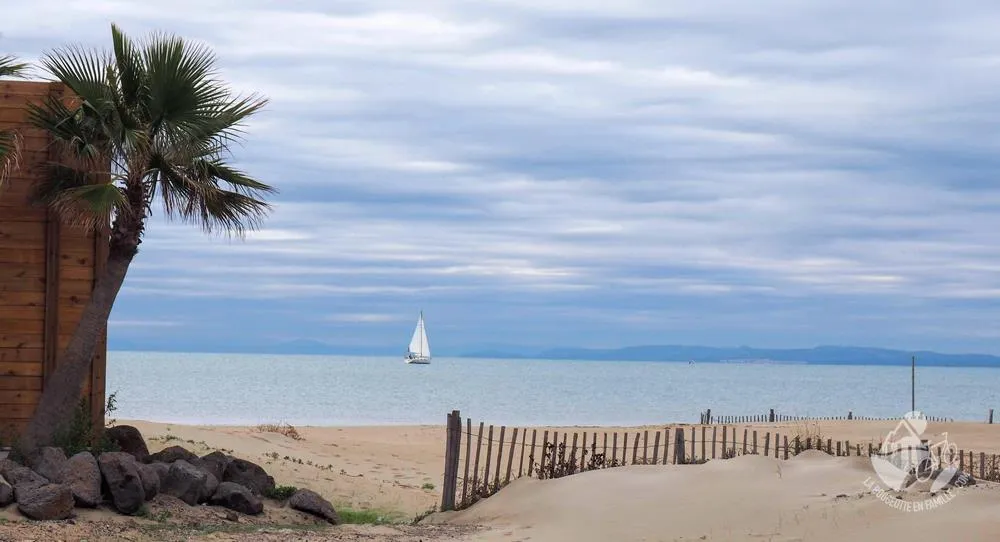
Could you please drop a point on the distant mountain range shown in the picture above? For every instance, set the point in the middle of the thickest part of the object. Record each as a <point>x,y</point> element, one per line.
<point>827,355</point>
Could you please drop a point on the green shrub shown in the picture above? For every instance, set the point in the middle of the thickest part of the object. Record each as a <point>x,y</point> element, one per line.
<point>349,516</point>
<point>80,434</point>
<point>280,493</point>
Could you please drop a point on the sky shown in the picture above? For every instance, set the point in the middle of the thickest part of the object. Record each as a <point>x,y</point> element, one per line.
<point>583,173</point>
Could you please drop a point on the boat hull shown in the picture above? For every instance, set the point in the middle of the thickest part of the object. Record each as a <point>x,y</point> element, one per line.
<point>418,361</point>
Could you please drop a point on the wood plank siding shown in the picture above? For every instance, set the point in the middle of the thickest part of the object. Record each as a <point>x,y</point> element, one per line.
<point>47,272</point>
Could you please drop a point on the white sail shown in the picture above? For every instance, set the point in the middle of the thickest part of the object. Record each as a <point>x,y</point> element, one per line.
<point>418,343</point>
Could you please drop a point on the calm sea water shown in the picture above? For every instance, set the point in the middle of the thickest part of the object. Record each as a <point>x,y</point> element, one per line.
<point>346,390</point>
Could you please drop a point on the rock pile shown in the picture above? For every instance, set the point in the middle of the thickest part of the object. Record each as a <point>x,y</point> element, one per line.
<point>52,485</point>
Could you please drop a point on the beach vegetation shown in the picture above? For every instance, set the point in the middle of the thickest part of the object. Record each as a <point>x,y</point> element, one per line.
<point>350,516</point>
<point>10,140</point>
<point>160,517</point>
<point>148,124</point>
<point>82,434</point>
<point>806,431</point>
<point>562,462</point>
<point>281,493</point>
<point>427,486</point>
<point>420,517</point>
<point>285,429</point>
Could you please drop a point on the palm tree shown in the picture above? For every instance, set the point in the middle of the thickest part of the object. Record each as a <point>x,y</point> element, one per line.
<point>9,140</point>
<point>150,123</point>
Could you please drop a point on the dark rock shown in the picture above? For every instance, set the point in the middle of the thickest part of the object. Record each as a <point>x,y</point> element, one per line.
<point>150,480</point>
<point>47,502</point>
<point>238,498</point>
<point>215,463</point>
<point>49,462</point>
<point>161,470</point>
<point>310,502</point>
<point>21,478</point>
<point>121,475</point>
<point>6,493</point>
<point>248,475</point>
<point>129,440</point>
<point>186,482</point>
<point>173,453</point>
<point>83,476</point>
<point>211,485</point>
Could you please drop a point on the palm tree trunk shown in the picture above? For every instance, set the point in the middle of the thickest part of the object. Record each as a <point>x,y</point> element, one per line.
<point>63,389</point>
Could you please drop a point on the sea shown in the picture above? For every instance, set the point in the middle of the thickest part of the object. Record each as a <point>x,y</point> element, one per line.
<point>243,389</point>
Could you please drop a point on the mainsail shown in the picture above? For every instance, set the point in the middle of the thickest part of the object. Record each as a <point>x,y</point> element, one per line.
<point>418,343</point>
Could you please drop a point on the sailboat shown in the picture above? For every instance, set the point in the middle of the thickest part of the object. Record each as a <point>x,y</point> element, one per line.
<point>419,351</point>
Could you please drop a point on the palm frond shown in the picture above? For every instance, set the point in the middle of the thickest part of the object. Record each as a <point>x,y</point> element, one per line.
<point>130,70</point>
<point>11,67</point>
<point>84,72</point>
<point>154,120</point>
<point>223,210</point>
<point>78,196</point>
<point>180,82</point>
<point>10,154</point>
<point>175,186</point>
<point>80,135</point>
<point>238,180</point>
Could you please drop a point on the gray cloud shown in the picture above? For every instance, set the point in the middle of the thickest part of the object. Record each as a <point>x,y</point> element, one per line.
<point>746,169</point>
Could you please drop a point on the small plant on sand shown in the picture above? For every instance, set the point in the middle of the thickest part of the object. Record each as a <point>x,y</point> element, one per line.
<point>161,517</point>
<point>282,429</point>
<point>728,453</point>
<point>427,486</point>
<point>419,517</point>
<point>80,433</point>
<point>992,473</point>
<point>807,434</point>
<point>280,493</point>
<point>559,462</point>
<point>349,516</point>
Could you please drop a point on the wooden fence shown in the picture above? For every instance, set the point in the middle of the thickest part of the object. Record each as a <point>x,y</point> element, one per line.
<point>47,272</point>
<point>481,459</point>
<point>708,418</point>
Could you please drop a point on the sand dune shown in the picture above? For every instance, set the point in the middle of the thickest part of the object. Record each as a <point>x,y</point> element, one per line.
<point>812,497</point>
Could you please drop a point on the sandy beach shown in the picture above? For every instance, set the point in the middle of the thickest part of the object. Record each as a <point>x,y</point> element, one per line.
<point>397,471</point>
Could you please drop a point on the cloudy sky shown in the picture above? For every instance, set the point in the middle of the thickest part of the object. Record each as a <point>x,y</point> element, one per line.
<point>585,172</point>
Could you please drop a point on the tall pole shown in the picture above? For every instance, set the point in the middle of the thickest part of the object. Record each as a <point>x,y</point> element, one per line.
<point>913,383</point>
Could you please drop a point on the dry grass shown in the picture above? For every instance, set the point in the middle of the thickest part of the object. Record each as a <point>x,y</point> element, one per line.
<point>282,429</point>
<point>807,430</point>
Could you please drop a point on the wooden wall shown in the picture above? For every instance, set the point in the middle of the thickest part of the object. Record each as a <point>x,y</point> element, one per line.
<point>46,273</point>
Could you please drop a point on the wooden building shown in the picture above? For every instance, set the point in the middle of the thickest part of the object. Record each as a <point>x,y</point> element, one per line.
<point>46,273</point>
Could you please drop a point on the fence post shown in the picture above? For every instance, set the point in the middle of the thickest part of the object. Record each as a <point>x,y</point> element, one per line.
<point>708,416</point>
<point>679,446</point>
<point>770,417</point>
<point>991,415</point>
<point>468,457</point>
<point>850,414</point>
<point>452,450</point>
